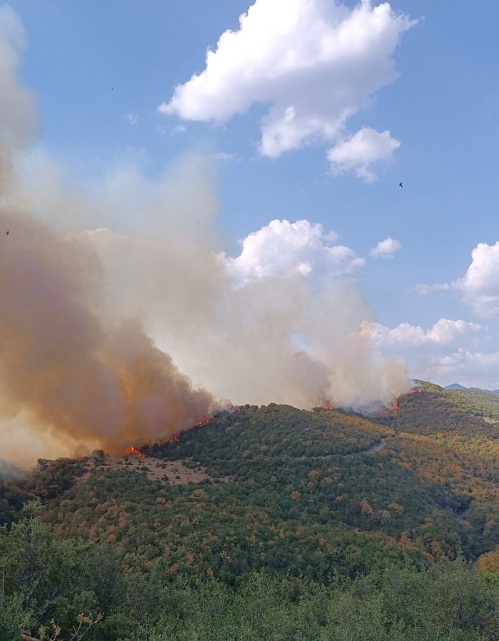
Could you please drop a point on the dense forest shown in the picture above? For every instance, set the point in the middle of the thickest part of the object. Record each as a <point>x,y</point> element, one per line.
<point>267,523</point>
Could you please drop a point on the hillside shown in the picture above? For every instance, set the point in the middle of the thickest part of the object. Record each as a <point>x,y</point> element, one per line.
<point>277,487</point>
<point>323,496</point>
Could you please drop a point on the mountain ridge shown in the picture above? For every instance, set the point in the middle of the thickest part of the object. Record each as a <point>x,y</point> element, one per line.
<point>459,387</point>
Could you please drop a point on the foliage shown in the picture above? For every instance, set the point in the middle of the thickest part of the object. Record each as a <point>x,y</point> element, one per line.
<point>311,525</point>
<point>448,600</point>
<point>306,493</point>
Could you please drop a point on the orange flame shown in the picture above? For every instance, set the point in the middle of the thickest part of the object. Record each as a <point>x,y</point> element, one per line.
<point>133,451</point>
<point>174,439</point>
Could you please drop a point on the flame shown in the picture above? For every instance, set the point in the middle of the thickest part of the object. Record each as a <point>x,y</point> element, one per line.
<point>328,406</point>
<point>174,439</point>
<point>133,451</point>
<point>204,421</point>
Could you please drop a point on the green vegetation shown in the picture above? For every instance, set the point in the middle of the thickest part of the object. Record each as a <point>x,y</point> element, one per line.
<point>50,583</point>
<point>311,525</point>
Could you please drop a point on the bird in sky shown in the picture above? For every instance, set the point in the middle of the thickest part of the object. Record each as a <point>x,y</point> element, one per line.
<point>7,232</point>
<point>401,184</point>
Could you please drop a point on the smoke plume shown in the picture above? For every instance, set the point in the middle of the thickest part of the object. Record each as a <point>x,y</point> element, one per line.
<point>85,377</point>
<point>119,311</point>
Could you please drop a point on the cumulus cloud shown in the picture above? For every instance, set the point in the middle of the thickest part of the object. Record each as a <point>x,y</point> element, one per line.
<point>283,248</point>
<point>479,287</point>
<point>360,152</point>
<point>386,248</point>
<point>314,62</point>
<point>480,284</point>
<point>447,352</point>
<point>443,332</point>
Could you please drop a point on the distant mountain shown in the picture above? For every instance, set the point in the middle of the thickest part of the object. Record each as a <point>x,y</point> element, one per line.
<point>455,386</point>
<point>485,391</point>
<point>460,388</point>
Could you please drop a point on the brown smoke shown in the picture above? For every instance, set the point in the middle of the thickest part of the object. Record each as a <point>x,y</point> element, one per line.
<point>88,380</point>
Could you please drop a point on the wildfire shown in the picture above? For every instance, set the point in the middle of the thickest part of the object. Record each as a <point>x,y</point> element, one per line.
<point>133,451</point>
<point>328,406</point>
<point>204,421</point>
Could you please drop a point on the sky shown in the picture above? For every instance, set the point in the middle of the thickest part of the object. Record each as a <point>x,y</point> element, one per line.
<point>335,161</point>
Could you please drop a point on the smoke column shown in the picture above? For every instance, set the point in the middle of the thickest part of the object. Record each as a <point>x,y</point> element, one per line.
<point>86,379</point>
<point>92,283</point>
<point>68,367</point>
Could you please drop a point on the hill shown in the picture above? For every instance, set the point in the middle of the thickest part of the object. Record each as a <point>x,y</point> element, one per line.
<point>308,498</point>
<point>461,388</point>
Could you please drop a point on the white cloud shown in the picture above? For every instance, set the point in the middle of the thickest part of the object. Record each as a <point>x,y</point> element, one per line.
<point>449,351</point>
<point>315,62</point>
<point>480,284</point>
<point>282,248</point>
<point>443,332</point>
<point>361,151</point>
<point>386,248</point>
<point>424,289</point>
<point>471,369</point>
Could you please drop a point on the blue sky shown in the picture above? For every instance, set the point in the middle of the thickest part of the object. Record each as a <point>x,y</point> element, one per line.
<point>277,127</point>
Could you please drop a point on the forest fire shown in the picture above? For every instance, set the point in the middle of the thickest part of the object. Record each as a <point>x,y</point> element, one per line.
<point>133,451</point>
<point>204,421</point>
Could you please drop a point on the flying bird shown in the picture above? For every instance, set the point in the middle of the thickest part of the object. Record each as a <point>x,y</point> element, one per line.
<point>7,232</point>
<point>401,184</point>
